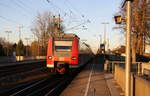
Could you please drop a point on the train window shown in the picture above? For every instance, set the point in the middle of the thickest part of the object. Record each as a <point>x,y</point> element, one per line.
<point>63,45</point>
<point>63,48</point>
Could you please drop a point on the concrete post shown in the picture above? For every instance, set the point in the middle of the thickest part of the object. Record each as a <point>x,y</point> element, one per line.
<point>128,55</point>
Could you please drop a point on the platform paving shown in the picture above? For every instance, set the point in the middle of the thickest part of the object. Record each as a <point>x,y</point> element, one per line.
<point>92,81</point>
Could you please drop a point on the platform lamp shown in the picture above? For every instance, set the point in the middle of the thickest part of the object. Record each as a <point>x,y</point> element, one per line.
<point>8,32</point>
<point>19,30</point>
<point>27,40</point>
<point>104,42</point>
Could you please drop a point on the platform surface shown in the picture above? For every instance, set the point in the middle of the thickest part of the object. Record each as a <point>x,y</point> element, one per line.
<point>90,82</point>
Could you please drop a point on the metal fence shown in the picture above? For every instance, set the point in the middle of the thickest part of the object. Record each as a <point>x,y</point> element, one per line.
<point>139,85</point>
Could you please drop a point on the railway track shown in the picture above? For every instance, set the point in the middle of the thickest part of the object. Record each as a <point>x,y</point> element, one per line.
<point>24,77</point>
<point>11,70</point>
<point>17,87</point>
<point>50,86</point>
<point>13,76</point>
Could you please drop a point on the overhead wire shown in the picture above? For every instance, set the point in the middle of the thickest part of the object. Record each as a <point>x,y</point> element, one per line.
<point>72,15</point>
<point>3,5</point>
<point>77,10</point>
<point>19,4</point>
<point>8,20</point>
<point>73,18</point>
<point>74,8</point>
<point>5,18</point>
<point>27,13</point>
<point>82,16</point>
<point>57,7</point>
<point>25,5</point>
<point>54,5</point>
<point>64,14</point>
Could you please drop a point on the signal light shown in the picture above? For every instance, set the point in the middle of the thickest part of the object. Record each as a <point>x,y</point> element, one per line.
<point>73,58</point>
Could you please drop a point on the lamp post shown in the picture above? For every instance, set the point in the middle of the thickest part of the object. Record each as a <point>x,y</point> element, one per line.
<point>128,53</point>
<point>100,38</point>
<point>104,23</point>
<point>19,27</point>
<point>27,39</point>
<point>8,32</point>
<point>119,20</point>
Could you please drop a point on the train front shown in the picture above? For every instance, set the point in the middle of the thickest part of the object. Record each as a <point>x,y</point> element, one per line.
<point>63,53</point>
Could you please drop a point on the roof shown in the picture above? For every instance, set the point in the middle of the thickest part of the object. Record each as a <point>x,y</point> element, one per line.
<point>66,36</point>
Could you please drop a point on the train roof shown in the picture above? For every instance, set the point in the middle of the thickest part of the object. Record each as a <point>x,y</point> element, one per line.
<point>66,36</point>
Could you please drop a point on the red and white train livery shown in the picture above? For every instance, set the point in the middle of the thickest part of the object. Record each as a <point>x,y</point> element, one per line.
<point>63,53</point>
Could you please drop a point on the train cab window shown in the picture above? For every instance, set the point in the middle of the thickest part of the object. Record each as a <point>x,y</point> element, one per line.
<point>63,48</point>
<point>63,45</point>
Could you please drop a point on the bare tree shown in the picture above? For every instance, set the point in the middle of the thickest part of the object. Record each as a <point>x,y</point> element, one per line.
<point>140,26</point>
<point>46,25</point>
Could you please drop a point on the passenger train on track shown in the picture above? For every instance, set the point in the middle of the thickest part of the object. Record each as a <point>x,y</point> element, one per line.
<point>65,52</point>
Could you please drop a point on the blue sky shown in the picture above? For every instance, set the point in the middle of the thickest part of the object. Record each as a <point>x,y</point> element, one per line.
<point>74,12</point>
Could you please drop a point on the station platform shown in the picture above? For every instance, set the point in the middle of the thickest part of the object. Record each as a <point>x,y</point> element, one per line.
<point>93,81</point>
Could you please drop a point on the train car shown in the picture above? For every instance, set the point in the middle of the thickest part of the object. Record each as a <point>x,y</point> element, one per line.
<point>64,53</point>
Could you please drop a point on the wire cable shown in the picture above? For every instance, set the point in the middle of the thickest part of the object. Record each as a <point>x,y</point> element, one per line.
<point>8,20</point>
<point>21,7</point>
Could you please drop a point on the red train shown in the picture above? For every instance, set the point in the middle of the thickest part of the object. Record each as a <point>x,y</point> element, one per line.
<point>64,53</point>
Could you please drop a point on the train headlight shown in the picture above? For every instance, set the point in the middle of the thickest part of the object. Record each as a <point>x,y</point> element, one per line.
<point>50,57</point>
<point>73,58</point>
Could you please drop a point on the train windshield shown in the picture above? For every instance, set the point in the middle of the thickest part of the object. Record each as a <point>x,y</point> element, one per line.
<point>63,48</point>
<point>63,45</point>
